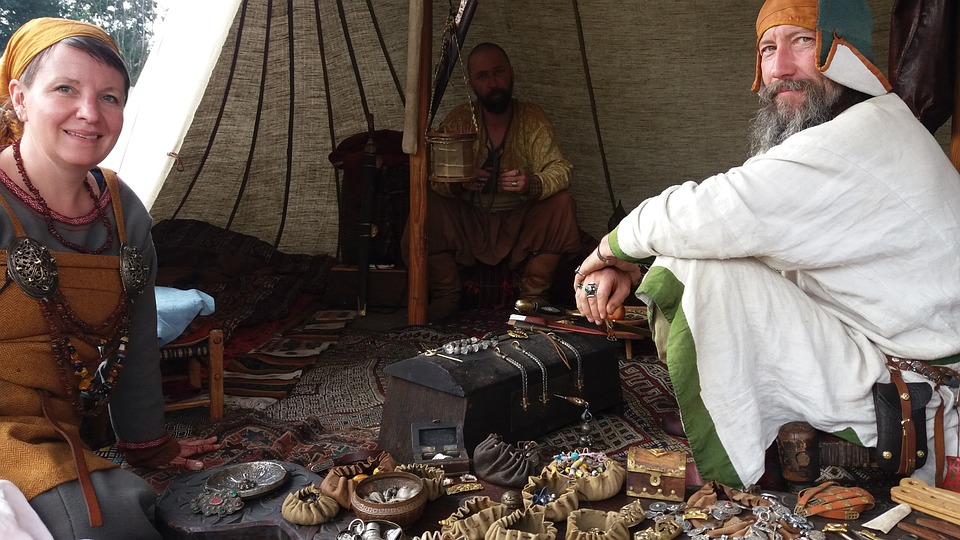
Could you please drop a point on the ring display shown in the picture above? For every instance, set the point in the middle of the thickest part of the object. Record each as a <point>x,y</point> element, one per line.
<point>590,289</point>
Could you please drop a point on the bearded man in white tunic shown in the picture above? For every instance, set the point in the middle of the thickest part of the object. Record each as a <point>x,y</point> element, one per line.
<point>782,287</point>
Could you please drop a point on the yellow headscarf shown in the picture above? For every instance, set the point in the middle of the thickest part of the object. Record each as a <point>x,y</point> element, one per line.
<point>36,35</point>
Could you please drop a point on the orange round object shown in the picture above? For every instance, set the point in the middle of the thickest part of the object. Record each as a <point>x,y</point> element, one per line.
<point>360,477</point>
<point>618,314</point>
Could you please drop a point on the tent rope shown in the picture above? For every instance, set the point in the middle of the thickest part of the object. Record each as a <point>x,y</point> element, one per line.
<point>450,34</point>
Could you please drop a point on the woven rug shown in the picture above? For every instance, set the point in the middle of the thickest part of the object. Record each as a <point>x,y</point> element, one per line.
<point>272,369</point>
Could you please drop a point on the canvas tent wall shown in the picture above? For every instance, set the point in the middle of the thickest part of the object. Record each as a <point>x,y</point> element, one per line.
<point>286,80</point>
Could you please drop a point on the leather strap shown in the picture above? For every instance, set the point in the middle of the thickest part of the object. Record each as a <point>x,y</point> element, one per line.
<point>908,432</point>
<point>17,227</point>
<point>937,375</point>
<point>938,444</point>
<point>833,501</point>
<point>83,474</point>
<point>113,184</point>
<point>560,352</point>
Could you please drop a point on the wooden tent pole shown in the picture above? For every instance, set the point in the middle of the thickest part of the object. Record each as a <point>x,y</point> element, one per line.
<point>417,271</point>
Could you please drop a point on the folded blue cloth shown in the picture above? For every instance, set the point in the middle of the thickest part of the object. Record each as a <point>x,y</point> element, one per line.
<point>176,308</point>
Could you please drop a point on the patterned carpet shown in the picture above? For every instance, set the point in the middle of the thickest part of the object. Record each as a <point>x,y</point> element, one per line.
<point>335,408</point>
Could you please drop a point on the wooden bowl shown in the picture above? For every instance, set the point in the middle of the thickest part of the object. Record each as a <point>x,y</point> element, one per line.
<point>404,513</point>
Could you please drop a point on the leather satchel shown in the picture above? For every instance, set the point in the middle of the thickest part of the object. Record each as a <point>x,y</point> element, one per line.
<point>901,424</point>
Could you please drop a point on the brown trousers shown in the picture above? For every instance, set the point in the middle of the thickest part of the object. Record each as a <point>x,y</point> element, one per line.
<point>475,235</point>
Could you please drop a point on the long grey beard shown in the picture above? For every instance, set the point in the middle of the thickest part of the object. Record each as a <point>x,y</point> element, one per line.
<point>775,122</point>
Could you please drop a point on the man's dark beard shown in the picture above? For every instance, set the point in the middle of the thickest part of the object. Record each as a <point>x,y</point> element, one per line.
<point>497,101</point>
<point>775,121</point>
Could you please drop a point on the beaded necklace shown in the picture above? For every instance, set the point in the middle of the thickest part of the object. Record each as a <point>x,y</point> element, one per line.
<point>48,216</point>
<point>95,380</point>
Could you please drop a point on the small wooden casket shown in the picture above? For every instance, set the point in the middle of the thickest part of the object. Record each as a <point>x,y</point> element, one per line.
<point>483,392</point>
<point>440,445</point>
<point>656,474</point>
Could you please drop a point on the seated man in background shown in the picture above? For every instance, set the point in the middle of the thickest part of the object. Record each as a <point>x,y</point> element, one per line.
<point>783,288</point>
<point>518,207</point>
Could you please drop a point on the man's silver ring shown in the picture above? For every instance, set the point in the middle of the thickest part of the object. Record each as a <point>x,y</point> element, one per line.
<point>514,183</point>
<point>591,290</point>
<point>579,273</point>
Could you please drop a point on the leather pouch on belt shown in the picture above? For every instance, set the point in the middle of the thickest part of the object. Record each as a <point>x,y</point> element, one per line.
<point>890,424</point>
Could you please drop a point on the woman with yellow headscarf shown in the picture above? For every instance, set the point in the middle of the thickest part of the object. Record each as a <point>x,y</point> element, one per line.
<point>79,333</point>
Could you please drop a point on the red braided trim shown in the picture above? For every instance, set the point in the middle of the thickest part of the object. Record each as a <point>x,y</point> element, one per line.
<point>152,443</point>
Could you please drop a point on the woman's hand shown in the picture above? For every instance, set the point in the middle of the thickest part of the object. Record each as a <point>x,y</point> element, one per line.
<point>190,447</point>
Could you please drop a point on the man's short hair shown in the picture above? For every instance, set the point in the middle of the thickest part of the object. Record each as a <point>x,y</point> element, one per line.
<point>486,46</point>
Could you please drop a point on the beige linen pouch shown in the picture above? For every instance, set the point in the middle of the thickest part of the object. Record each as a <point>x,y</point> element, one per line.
<point>590,524</point>
<point>604,485</point>
<point>339,483</point>
<point>432,478</point>
<point>308,506</point>
<point>474,517</point>
<point>528,524</point>
<point>561,486</point>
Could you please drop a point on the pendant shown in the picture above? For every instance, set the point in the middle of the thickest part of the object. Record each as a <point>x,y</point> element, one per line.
<point>32,268</point>
<point>219,502</point>
<point>133,270</point>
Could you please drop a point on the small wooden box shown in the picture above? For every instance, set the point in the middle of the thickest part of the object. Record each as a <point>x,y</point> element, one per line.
<point>432,438</point>
<point>656,474</point>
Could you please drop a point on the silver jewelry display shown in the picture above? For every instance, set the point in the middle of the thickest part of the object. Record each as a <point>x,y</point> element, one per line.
<point>767,525</point>
<point>468,345</point>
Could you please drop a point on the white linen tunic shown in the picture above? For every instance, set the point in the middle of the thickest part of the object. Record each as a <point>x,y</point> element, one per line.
<point>792,276</point>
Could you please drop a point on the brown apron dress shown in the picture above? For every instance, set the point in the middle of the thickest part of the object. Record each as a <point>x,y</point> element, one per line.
<point>39,427</point>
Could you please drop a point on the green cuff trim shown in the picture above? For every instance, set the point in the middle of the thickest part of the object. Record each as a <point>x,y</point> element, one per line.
<point>712,459</point>
<point>617,252</point>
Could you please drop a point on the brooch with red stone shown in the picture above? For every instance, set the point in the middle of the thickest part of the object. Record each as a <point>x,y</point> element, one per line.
<point>220,502</point>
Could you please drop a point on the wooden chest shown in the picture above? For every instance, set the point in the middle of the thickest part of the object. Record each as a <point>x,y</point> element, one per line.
<point>656,474</point>
<point>484,392</point>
